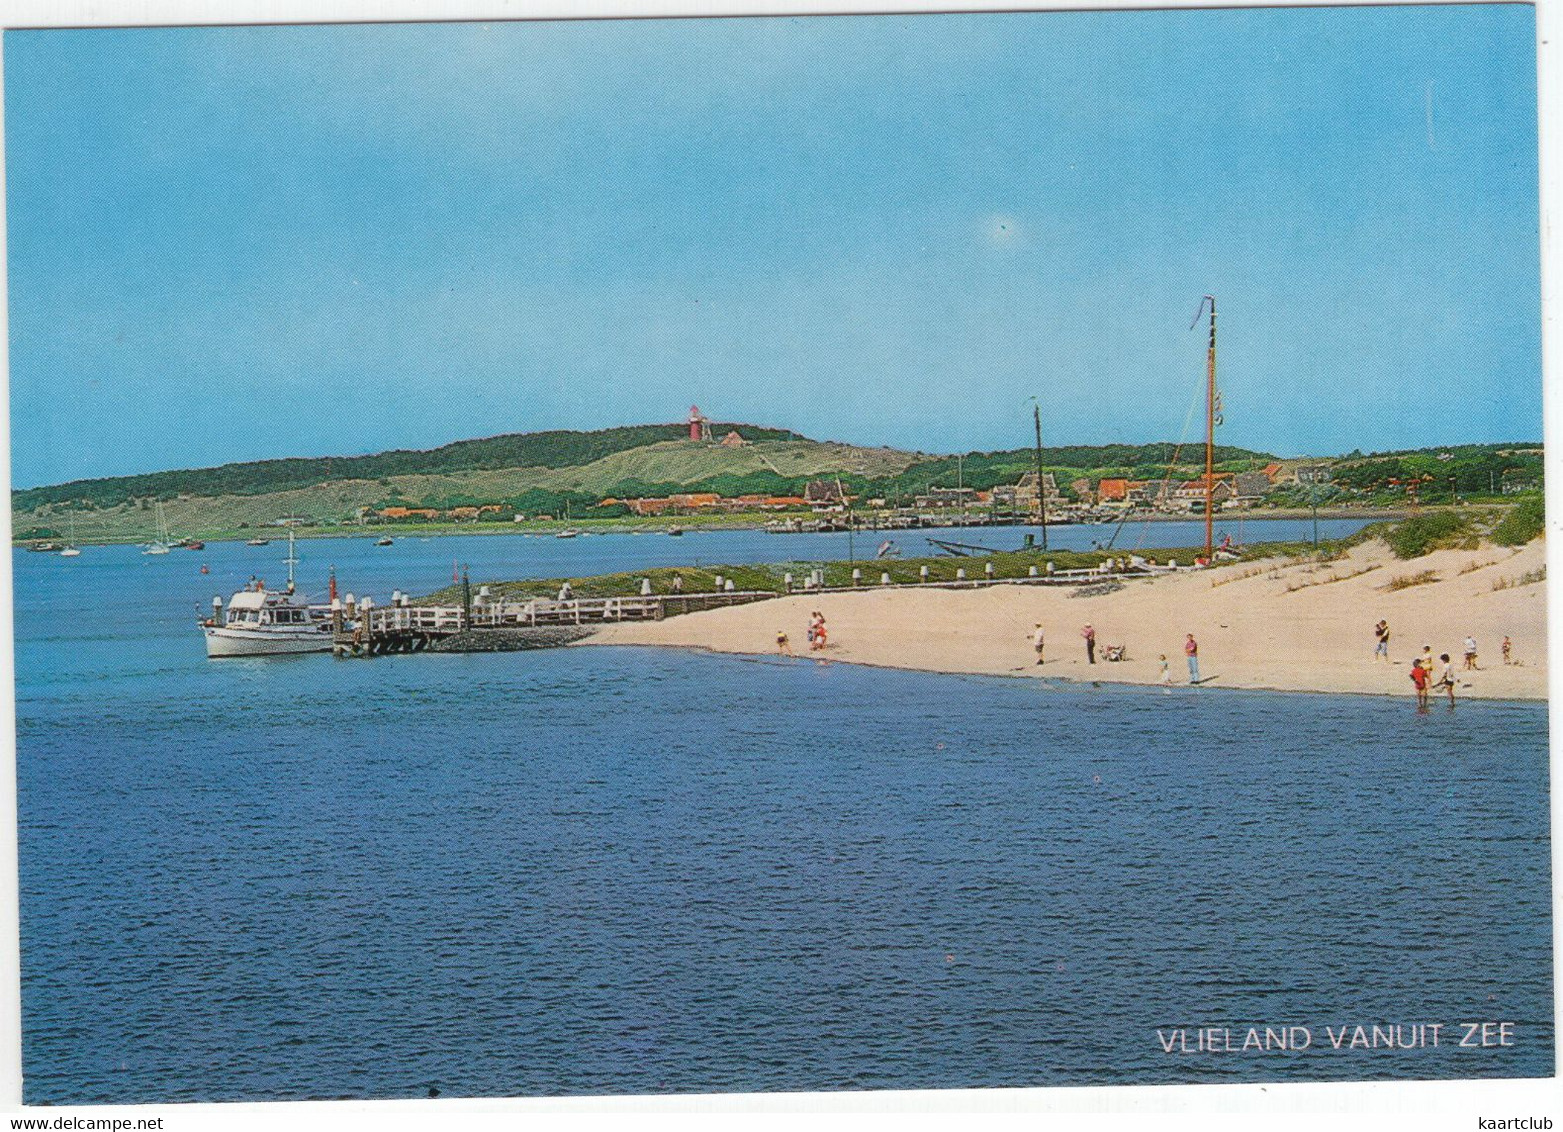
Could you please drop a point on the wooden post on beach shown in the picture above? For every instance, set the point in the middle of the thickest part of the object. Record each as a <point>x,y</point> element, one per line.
<point>884,578</point>
<point>922,573</point>
<point>857,576</point>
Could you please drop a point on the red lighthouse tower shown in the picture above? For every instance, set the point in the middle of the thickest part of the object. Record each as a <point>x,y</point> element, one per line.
<point>699,424</point>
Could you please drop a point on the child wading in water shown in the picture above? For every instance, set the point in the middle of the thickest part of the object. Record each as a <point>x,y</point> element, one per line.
<point>1446,678</point>
<point>1166,674</point>
<point>1420,677</point>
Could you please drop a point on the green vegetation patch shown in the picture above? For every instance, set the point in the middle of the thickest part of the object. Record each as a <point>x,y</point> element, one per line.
<point>1423,534</point>
<point>1525,521</point>
<point>771,576</point>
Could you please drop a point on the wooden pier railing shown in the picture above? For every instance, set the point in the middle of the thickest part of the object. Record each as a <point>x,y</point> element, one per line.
<point>409,628</point>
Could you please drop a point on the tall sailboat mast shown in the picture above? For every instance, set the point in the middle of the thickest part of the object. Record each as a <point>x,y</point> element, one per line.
<point>1212,409</point>
<point>292,560</point>
<point>1036,419</point>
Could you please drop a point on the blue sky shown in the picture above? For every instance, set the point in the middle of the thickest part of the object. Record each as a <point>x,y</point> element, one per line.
<point>239,243</point>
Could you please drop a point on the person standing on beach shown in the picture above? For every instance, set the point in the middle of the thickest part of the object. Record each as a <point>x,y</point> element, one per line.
<point>1191,650</point>
<point>1427,659</point>
<point>1090,644</point>
<point>1470,652</point>
<point>1381,631</point>
<point>1420,675</point>
<point>1166,671</point>
<point>783,645</point>
<point>1037,641</point>
<point>1507,648</point>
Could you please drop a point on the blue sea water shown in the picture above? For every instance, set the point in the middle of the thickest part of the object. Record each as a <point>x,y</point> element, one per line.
<point>634,870</point>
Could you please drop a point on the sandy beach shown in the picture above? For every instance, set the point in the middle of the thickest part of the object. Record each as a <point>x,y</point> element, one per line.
<point>1281,624</point>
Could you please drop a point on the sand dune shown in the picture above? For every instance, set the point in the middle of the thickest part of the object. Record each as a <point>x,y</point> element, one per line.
<point>1278,624</point>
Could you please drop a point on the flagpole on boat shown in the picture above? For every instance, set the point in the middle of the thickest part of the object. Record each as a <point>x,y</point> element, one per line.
<point>291,560</point>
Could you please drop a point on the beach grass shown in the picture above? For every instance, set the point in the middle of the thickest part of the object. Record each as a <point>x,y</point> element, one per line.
<point>772,577</point>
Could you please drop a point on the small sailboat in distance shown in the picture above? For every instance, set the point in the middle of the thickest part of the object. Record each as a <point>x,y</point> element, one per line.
<point>158,545</point>
<point>69,549</point>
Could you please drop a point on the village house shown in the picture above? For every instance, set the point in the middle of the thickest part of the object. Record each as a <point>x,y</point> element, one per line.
<point>473,512</point>
<point>408,513</point>
<point>733,440</point>
<point>1191,495</point>
<point>696,500</point>
<point>947,497</point>
<point>825,495</point>
<point>1026,491</point>
<point>1252,486</point>
<point>1145,493</point>
<point>1112,491</point>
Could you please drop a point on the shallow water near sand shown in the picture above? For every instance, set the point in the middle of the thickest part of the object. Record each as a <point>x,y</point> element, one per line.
<point>619,870</point>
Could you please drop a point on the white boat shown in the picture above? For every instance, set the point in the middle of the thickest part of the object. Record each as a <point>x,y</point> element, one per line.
<point>570,533</point>
<point>69,549</point>
<point>268,623</point>
<point>262,622</point>
<point>160,545</point>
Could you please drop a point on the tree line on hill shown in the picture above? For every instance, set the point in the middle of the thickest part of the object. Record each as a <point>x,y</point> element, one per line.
<point>555,449</point>
<point>1438,473</point>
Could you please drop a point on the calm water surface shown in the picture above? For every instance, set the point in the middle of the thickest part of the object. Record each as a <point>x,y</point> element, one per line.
<point>630,870</point>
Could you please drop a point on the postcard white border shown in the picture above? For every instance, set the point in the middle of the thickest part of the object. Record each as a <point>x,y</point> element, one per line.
<point>1280,1107</point>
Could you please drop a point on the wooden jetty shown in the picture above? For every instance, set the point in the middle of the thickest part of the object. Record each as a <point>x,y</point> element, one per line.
<point>374,630</point>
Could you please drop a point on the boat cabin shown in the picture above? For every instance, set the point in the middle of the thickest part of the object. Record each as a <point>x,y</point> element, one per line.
<point>262,607</point>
